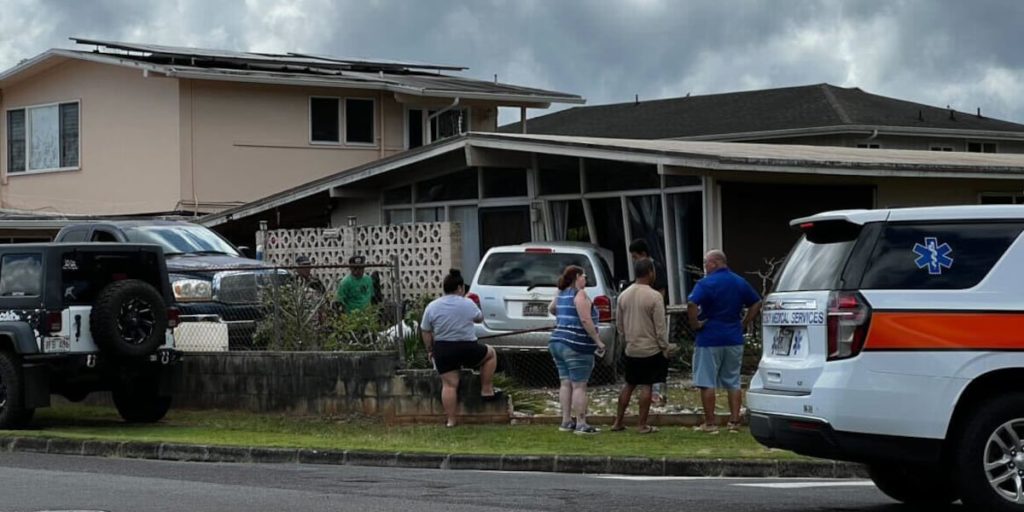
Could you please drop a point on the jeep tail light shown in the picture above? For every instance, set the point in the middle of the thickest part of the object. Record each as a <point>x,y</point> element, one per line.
<point>474,297</point>
<point>54,321</point>
<point>604,308</point>
<point>849,316</point>
<point>173,317</point>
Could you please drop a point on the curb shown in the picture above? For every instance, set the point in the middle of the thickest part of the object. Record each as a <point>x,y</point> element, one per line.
<point>642,466</point>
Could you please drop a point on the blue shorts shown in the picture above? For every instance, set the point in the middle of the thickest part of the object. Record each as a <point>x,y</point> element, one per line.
<point>717,367</point>
<point>572,365</point>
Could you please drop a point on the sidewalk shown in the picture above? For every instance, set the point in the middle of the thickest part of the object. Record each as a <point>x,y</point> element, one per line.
<point>544,463</point>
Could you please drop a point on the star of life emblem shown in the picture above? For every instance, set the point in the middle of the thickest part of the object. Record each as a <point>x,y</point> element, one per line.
<point>933,256</point>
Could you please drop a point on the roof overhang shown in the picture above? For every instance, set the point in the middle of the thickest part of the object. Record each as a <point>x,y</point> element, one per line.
<point>858,129</point>
<point>672,157</point>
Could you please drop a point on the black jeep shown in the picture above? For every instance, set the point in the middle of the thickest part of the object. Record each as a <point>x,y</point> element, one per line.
<point>78,318</point>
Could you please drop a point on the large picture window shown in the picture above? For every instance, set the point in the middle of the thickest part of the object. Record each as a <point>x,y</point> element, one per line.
<point>44,137</point>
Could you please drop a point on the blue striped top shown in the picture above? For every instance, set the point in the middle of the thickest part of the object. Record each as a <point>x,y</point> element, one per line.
<point>568,328</point>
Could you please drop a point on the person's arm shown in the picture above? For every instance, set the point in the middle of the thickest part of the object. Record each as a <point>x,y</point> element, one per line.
<point>619,319</point>
<point>479,318</point>
<point>340,293</point>
<point>661,327</point>
<point>752,313</point>
<point>692,312</point>
<point>553,307</point>
<point>428,343</point>
<point>583,307</point>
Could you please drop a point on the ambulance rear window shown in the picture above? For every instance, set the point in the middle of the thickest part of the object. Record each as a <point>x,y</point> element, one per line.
<point>818,258</point>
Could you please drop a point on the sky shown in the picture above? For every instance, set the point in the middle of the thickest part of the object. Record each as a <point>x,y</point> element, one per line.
<point>965,54</point>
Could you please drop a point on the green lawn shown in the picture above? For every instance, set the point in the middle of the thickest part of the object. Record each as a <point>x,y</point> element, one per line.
<point>229,428</point>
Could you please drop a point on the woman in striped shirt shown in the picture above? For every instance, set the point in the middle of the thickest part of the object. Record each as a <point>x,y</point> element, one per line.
<point>574,344</point>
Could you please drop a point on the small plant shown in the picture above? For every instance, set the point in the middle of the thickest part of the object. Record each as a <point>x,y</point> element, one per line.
<point>293,316</point>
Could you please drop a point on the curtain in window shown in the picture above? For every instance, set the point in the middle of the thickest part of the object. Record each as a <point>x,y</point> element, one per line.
<point>560,220</point>
<point>69,135</point>
<point>44,138</point>
<point>16,141</point>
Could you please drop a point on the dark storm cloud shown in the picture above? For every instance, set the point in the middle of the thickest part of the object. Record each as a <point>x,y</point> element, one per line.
<point>965,54</point>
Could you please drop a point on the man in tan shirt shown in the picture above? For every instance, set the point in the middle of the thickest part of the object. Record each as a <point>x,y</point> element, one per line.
<point>640,320</point>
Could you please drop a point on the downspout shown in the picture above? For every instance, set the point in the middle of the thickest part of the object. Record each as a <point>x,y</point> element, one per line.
<point>874,134</point>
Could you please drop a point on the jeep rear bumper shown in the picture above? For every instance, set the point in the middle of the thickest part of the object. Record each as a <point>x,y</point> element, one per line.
<point>816,438</point>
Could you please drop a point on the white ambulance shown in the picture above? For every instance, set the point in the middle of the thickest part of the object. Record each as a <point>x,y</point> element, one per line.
<point>896,338</point>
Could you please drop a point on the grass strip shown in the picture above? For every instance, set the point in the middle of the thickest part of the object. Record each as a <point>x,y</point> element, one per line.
<point>233,428</point>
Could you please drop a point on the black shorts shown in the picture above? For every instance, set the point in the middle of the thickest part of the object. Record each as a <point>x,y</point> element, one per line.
<point>644,371</point>
<point>454,355</point>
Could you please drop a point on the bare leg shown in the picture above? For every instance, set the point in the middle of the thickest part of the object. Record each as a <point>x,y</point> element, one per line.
<point>565,400</point>
<point>487,372</point>
<point>735,400</point>
<point>450,395</point>
<point>645,406</point>
<point>579,402</point>
<point>624,396</point>
<point>707,398</point>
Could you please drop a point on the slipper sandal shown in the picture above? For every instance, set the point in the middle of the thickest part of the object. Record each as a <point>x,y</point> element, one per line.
<point>734,427</point>
<point>498,393</point>
<point>649,430</point>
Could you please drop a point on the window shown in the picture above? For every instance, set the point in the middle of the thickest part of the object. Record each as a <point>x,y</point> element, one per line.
<point>504,182</point>
<point>103,236</point>
<point>460,185</point>
<point>940,147</point>
<point>43,137</point>
<point>323,120</point>
<point>449,124</point>
<point>21,275</point>
<point>981,147</point>
<point>75,235</point>
<point>868,146</point>
<point>1001,198</point>
<point>414,128</point>
<point>960,255</point>
<point>531,269</point>
<point>403,216</point>
<point>611,176</point>
<point>359,121</point>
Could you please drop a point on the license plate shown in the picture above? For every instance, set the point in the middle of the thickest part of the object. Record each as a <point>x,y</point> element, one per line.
<point>782,344</point>
<point>56,344</point>
<point>535,309</point>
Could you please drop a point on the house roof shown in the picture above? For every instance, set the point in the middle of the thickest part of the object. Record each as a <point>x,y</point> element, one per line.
<point>695,156</point>
<point>787,111</point>
<point>415,79</point>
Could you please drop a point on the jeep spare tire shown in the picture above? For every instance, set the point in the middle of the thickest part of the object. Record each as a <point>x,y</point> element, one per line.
<point>129,319</point>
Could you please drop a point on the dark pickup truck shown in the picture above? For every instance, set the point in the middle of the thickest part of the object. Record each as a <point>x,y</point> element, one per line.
<point>210,278</point>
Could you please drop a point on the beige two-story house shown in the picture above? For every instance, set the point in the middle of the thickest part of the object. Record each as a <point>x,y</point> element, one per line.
<point>126,129</point>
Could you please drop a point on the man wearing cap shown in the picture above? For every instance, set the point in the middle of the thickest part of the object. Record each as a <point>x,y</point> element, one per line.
<point>355,291</point>
<point>304,272</point>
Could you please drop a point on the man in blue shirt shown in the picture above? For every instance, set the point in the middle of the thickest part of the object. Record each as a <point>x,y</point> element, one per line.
<point>715,307</point>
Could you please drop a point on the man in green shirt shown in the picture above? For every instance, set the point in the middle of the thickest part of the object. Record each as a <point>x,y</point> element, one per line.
<point>355,291</point>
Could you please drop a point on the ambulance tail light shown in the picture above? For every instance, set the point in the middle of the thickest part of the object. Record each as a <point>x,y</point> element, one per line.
<point>848,319</point>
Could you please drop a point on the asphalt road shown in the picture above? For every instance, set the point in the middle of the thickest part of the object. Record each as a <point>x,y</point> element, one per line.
<point>33,482</point>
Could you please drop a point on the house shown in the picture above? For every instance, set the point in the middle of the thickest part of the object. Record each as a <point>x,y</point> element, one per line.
<point>129,129</point>
<point>820,115</point>
<point>680,196</point>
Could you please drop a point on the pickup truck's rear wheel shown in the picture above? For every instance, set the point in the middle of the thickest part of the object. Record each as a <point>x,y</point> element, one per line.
<point>13,413</point>
<point>990,461</point>
<point>129,318</point>
<point>914,485</point>
<point>139,401</point>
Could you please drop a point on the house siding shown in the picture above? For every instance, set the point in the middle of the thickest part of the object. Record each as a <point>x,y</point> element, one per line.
<point>129,155</point>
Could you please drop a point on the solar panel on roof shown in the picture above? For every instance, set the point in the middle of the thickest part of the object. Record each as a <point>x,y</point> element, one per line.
<point>382,62</point>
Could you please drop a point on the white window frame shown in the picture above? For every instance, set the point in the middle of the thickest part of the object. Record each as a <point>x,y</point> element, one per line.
<point>343,119</point>
<point>309,121</point>
<point>28,139</point>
